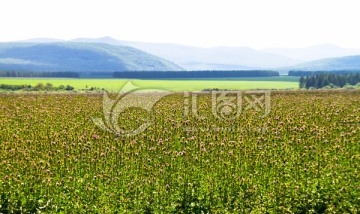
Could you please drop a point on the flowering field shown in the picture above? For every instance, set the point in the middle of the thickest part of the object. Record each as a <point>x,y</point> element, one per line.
<point>303,157</point>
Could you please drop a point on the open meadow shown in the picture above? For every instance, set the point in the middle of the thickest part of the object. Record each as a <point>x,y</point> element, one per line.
<point>299,153</point>
<point>115,85</point>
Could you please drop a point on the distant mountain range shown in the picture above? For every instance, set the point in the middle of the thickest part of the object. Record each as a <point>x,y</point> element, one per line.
<point>233,58</point>
<point>163,56</point>
<point>315,52</point>
<point>78,57</point>
<point>196,58</point>
<point>331,64</point>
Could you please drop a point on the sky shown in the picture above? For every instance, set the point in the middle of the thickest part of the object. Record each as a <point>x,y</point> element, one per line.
<point>205,23</point>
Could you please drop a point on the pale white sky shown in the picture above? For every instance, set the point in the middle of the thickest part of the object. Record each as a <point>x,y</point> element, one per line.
<point>206,23</point>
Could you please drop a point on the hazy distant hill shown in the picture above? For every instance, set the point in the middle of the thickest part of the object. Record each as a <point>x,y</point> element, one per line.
<point>196,58</point>
<point>235,58</point>
<point>315,52</point>
<point>42,40</point>
<point>331,64</point>
<point>78,57</point>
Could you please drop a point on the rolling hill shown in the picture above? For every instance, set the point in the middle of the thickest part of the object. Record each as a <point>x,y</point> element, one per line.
<point>331,64</point>
<point>316,52</point>
<point>197,58</point>
<point>79,57</point>
<point>320,57</point>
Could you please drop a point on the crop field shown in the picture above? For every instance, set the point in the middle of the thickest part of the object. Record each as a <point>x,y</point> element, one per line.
<point>297,153</point>
<point>115,85</point>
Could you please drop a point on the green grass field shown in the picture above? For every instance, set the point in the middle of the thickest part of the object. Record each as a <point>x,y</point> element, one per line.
<point>173,85</point>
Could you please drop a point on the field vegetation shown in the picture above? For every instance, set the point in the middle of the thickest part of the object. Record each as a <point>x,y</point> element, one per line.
<point>303,157</point>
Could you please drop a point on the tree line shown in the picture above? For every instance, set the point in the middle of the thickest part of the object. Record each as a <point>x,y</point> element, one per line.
<point>38,87</point>
<point>145,74</point>
<point>310,73</point>
<point>329,80</point>
<point>64,74</point>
